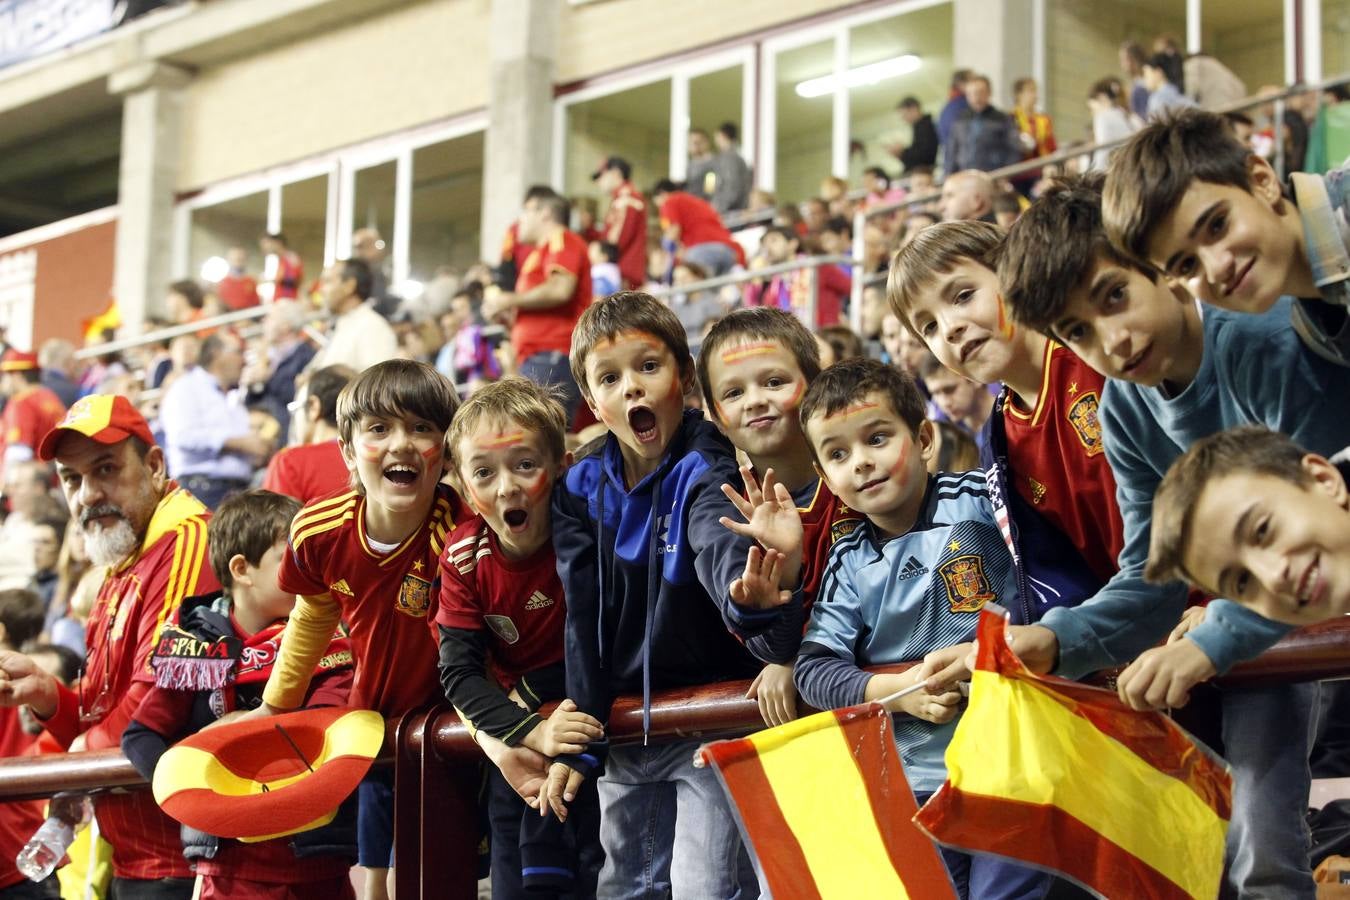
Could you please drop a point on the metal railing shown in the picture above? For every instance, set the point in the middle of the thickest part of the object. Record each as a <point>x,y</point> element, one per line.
<point>437,766</point>
<point>861,217</point>
<point>811,264</point>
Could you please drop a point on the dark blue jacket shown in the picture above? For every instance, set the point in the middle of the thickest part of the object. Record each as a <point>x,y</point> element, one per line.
<point>1049,569</point>
<point>646,574</point>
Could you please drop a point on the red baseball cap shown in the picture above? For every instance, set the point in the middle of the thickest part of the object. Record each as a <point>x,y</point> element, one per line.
<point>18,361</point>
<point>106,418</point>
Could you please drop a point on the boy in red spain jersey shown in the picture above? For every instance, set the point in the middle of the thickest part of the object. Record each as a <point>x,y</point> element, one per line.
<point>368,556</point>
<point>1053,492</point>
<point>501,622</point>
<point>754,366</point>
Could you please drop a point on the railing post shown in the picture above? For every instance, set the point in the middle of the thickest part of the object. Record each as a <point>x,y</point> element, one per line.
<point>813,299</point>
<point>858,271</point>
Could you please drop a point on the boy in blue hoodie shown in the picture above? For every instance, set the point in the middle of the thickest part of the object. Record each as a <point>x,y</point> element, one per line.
<point>655,588</point>
<point>1177,372</point>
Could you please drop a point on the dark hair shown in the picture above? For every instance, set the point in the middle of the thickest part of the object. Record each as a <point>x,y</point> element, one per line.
<point>849,381</point>
<point>57,523</point>
<point>559,210</point>
<point>326,385</point>
<point>934,251</point>
<point>1237,118</point>
<point>957,450</point>
<point>761,323</point>
<point>1159,61</point>
<point>1109,87</point>
<point>393,388</point>
<point>729,131</point>
<point>248,524</point>
<point>1007,201</point>
<point>693,131</point>
<point>838,225</point>
<point>213,345</point>
<point>910,102</point>
<point>539,192</point>
<point>68,662</point>
<point>1021,83</point>
<point>22,614</point>
<point>919,170</point>
<point>278,236</point>
<point>877,172</point>
<point>1052,249</point>
<point>611,250</point>
<point>1249,448</point>
<point>960,77</point>
<point>844,341</point>
<point>1134,52</point>
<point>783,231</point>
<point>358,270</point>
<point>1149,175</point>
<point>665,186</point>
<point>190,291</point>
<point>605,319</point>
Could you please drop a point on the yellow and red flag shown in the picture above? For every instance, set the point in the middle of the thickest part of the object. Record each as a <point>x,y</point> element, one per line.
<point>824,803</point>
<point>1066,777</point>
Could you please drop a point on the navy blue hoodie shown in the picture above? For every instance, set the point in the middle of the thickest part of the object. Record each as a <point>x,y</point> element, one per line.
<point>647,574</point>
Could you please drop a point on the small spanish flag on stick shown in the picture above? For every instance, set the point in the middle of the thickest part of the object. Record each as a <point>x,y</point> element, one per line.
<point>1066,777</point>
<point>824,804</point>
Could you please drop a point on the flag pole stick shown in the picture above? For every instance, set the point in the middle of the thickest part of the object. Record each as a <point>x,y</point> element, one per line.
<point>903,692</point>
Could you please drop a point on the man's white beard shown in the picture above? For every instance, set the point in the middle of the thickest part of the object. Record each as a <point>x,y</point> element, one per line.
<point>108,545</point>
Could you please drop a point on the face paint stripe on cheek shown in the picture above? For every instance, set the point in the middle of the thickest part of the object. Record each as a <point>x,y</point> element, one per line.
<point>1005,323</point>
<point>370,452</point>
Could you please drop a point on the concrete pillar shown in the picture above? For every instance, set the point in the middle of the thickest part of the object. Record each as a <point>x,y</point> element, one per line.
<point>517,150</point>
<point>994,38</point>
<point>151,138</point>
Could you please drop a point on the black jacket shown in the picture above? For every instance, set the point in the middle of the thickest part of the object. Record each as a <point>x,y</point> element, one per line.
<point>923,148</point>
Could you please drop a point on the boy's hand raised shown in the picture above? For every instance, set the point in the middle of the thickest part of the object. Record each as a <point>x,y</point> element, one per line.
<point>776,693</point>
<point>771,518</point>
<point>563,784</point>
<point>1163,677</point>
<point>567,730</point>
<point>758,587</point>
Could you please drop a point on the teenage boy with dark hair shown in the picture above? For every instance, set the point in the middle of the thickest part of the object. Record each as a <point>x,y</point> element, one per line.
<point>1175,376</point>
<point>314,467</point>
<point>653,583</point>
<point>1281,516</point>
<point>1042,446</point>
<point>910,579</point>
<point>754,367</point>
<point>245,619</point>
<point>1188,197</point>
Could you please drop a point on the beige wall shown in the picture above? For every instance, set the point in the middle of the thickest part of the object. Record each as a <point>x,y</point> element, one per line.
<point>1335,37</point>
<point>1255,54</point>
<point>415,65</point>
<point>602,37</point>
<point>1081,44</point>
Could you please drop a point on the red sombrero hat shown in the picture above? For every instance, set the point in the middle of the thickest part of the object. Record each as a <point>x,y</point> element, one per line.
<point>264,778</point>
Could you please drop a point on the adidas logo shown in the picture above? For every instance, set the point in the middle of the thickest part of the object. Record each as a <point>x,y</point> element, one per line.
<point>340,587</point>
<point>912,569</point>
<point>538,601</point>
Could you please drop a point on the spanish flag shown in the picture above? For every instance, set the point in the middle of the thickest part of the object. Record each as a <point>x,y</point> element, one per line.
<point>824,805</point>
<point>1066,777</point>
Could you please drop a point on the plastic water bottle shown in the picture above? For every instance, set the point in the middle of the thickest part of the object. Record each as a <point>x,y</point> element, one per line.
<point>45,849</point>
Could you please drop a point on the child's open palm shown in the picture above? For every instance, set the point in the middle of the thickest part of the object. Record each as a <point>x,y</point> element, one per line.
<point>771,518</point>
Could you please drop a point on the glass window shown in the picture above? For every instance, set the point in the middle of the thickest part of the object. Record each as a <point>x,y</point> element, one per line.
<point>215,229</point>
<point>373,201</point>
<point>447,201</point>
<point>634,124</point>
<point>888,61</point>
<point>304,219</point>
<point>1246,37</point>
<point>804,112</point>
<point>715,98</point>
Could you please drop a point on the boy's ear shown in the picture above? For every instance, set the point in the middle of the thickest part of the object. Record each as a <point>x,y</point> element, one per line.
<point>348,456</point>
<point>238,567</point>
<point>1265,182</point>
<point>925,438</point>
<point>1327,478</point>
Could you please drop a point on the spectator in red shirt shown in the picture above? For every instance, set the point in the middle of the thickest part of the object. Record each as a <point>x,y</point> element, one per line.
<point>152,535</point>
<point>185,301</point>
<point>514,250</point>
<point>20,622</point>
<point>553,289</point>
<point>792,290</point>
<point>693,226</point>
<point>289,273</point>
<point>314,467</point>
<point>625,219</point>
<point>238,289</point>
<point>31,408</point>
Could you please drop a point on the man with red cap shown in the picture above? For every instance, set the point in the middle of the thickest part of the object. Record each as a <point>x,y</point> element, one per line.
<point>31,408</point>
<point>625,219</point>
<point>151,535</point>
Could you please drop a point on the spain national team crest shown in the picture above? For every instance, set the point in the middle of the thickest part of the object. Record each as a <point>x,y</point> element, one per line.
<point>414,596</point>
<point>1083,418</point>
<point>968,589</point>
<point>843,528</point>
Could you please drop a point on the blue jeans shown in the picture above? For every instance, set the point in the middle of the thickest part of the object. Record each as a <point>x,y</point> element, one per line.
<point>666,827</point>
<point>978,876</point>
<point>552,368</point>
<point>1267,736</point>
<point>715,259</point>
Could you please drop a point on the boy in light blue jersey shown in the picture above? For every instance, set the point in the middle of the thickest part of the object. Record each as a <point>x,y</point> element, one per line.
<point>912,578</point>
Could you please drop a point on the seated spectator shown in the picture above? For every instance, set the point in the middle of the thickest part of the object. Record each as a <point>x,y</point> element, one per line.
<point>953,450</point>
<point>836,239</point>
<point>71,603</point>
<point>920,180</point>
<point>282,355</point>
<point>956,399</point>
<point>1163,94</point>
<point>983,137</point>
<point>1244,129</point>
<point>880,191</point>
<point>56,360</point>
<point>184,301</point>
<point>605,276</point>
<point>701,173</point>
<point>732,191</point>
<point>20,622</point>
<point>844,341</point>
<point>694,229</point>
<point>815,213</point>
<point>238,289</point>
<point>586,219</point>
<point>1007,207</point>
<point>211,449</point>
<point>48,533</point>
<point>834,191</point>
<point>915,222</point>
<point>761,200</point>
<point>106,368</point>
<point>967,195</point>
<point>873,312</point>
<point>694,309</point>
<point>31,409</point>
<point>360,337</point>
<point>284,271</point>
<point>792,290</point>
<point>468,357</point>
<point>1112,119</point>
